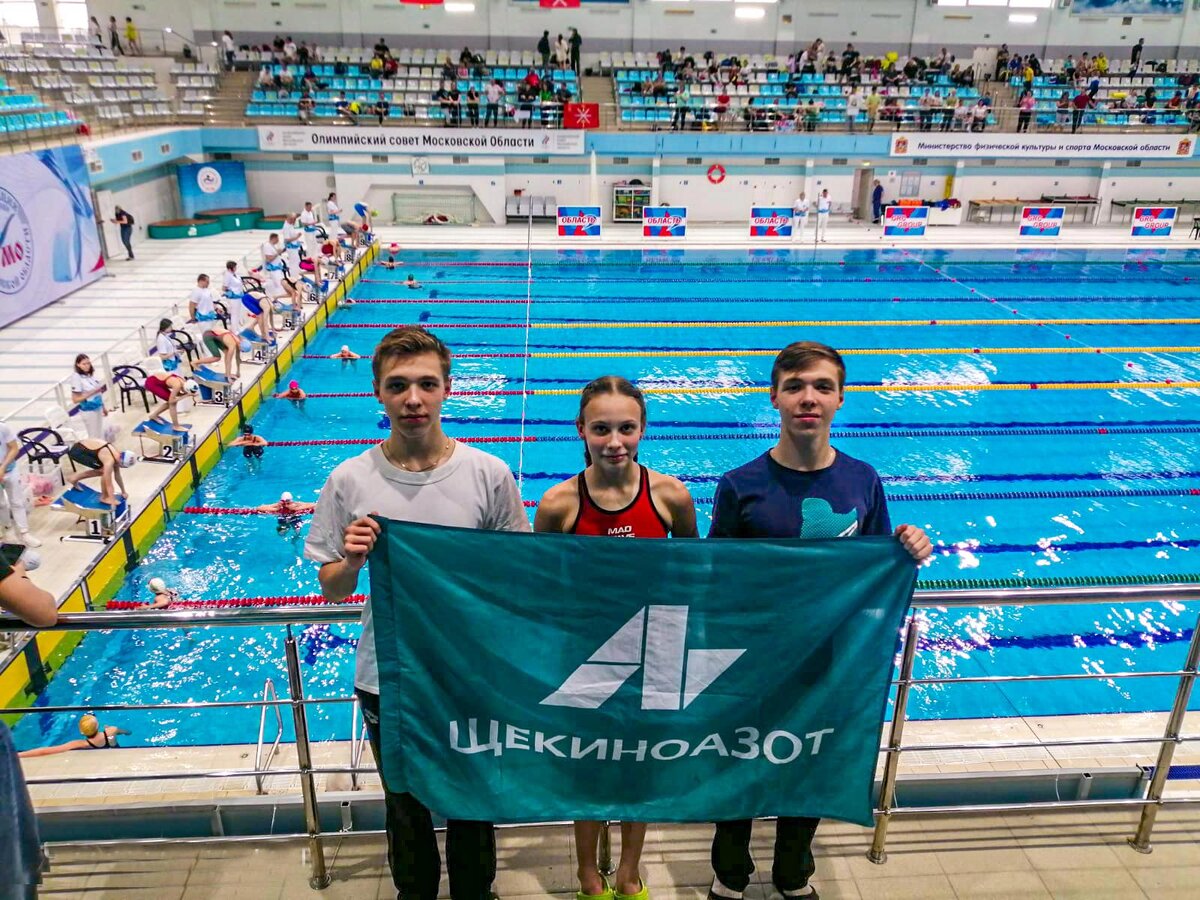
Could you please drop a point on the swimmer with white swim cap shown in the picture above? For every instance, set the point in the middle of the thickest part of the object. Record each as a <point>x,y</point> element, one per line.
<point>100,459</point>
<point>289,512</point>
<point>345,353</point>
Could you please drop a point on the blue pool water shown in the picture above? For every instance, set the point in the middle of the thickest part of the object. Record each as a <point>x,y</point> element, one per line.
<point>1095,481</point>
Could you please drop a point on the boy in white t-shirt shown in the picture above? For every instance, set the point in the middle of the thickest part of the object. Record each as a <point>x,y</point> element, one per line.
<point>417,475</point>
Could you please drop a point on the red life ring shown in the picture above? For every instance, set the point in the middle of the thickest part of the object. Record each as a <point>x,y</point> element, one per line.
<point>716,173</point>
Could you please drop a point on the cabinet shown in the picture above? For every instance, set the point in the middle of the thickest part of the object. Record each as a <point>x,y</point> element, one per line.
<point>628,200</point>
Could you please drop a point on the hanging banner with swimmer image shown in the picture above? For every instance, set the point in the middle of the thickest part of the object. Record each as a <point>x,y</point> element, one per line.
<point>771,221</point>
<point>1042,221</point>
<point>579,221</point>
<point>49,245</point>
<point>1152,221</point>
<point>664,221</point>
<point>905,221</point>
<point>693,705</point>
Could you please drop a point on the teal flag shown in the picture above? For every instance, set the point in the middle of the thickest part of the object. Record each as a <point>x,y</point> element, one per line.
<point>538,677</point>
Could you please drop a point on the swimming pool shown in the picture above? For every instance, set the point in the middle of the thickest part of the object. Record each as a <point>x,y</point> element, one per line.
<point>1028,460</point>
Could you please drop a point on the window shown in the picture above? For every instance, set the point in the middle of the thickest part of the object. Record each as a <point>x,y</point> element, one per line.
<point>72,15</point>
<point>19,13</point>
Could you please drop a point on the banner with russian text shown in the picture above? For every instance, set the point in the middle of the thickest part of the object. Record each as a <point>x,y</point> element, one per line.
<point>450,141</point>
<point>771,221</point>
<point>726,679</point>
<point>1152,221</point>
<point>664,221</point>
<point>1042,221</point>
<point>958,144</point>
<point>579,221</point>
<point>905,221</point>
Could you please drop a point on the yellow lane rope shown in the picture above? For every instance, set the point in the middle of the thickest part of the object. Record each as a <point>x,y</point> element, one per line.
<point>889,388</point>
<point>860,323</point>
<point>890,351</point>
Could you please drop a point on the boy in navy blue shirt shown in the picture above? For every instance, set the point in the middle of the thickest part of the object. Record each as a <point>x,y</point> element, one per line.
<point>800,488</point>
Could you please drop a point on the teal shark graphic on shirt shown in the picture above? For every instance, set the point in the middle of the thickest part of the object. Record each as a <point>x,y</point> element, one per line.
<point>818,520</point>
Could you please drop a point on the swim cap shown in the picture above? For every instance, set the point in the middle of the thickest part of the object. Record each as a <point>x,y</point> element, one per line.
<point>247,428</point>
<point>31,559</point>
<point>190,386</point>
<point>158,586</point>
<point>285,497</point>
<point>126,459</point>
<point>293,385</point>
<point>345,348</point>
<point>395,246</point>
<point>360,208</point>
<point>88,726</point>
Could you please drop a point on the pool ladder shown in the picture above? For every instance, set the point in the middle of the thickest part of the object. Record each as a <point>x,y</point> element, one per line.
<point>270,700</point>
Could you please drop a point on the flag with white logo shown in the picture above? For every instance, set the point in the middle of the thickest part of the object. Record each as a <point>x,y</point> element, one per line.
<point>563,677</point>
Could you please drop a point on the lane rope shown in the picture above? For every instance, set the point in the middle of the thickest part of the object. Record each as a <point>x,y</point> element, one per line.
<point>859,351</point>
<point>783,323</point>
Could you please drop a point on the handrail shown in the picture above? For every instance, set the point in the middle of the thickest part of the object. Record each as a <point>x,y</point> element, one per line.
<point>128,620</point>
<point>358,739</point>
<point>269,700</point>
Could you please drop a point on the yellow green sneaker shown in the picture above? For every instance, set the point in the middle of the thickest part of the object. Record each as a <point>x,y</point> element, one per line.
<point>643,894</point>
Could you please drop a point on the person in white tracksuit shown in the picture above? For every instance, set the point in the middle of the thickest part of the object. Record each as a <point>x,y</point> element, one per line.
<point>800,216</point>
<point>823,205</point>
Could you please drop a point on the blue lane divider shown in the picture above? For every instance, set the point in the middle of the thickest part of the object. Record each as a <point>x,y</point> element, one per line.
<point>893,429</point>
<point>1005,477</point>
<point>1060,641</point>
<point>690,300</point>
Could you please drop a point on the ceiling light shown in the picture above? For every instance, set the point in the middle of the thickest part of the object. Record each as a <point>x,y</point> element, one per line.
<point>1022,18</point>
<point>459,7</point>
<point>987,2</point>
<point>1031,4</point>
<point>749,12</point>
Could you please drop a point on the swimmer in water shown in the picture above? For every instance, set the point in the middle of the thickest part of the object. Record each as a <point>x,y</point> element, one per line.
<point>163,595</point>
<point>252,444</point>
<point>95,737</point>
<point>391,262</point>
<point>288,512</point>
<point>294,392</point>
<point>345,353</point>
<point>411,282</point>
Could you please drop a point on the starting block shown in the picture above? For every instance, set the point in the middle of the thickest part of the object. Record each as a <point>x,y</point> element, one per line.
<point>99,519</point>
<point>215,387</point>
<point>261,352</point>
<point>170,440</point>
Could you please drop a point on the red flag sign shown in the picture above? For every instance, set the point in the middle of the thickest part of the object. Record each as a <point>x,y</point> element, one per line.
<point>581,115</point>
<point>559,4</point>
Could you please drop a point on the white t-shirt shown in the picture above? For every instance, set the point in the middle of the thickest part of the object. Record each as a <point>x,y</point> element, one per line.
<point>81,384</point>
<point>7,436</point>
<point>308,218</point>
<point>270,251</point>
<point>800,207</point>
<point>203,298</point>
<point>232,283</point>
<point>289,233</point>
<point>853,104</point>
<point>227,43</point>
<point>472,489</point>
<point>823,204</point>
<point>332,209</point>
<point>494,93</point>
<point>164,346</point>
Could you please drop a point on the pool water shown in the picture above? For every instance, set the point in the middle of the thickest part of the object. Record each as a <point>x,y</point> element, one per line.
<point>1077,477</point>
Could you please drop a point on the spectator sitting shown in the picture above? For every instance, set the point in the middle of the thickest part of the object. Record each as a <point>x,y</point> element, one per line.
<point>376,66</point>
<point>449,72</point>
<point>382,109</point>
<point>289,49</point>
<point>305,106</point>
<point>286,79</point>
<point>1101,63</point>
<point>303,54</point>
<point>390,66</point>
<point>342,106</point>
<point>265,78</point>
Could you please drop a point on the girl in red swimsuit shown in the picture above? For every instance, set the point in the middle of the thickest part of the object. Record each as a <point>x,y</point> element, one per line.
<point>618,497</point>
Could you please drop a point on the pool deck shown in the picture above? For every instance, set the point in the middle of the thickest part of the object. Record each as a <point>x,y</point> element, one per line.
<point>1066,856</point>
<point>1061,855</point>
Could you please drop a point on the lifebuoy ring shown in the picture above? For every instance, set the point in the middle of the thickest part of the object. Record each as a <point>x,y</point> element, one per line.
<point>716,173</point>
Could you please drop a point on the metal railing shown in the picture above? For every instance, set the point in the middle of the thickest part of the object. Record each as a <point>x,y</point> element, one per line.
<point>261,764</point>
<point>892,749</point>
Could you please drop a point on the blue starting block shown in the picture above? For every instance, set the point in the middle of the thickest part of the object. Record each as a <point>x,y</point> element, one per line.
<point>100,522</point>
<point>169,439</point>
<point>215,387</point>
<point>260,351</point>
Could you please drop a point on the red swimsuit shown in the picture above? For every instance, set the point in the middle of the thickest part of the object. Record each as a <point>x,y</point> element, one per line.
<point>637,520</point>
